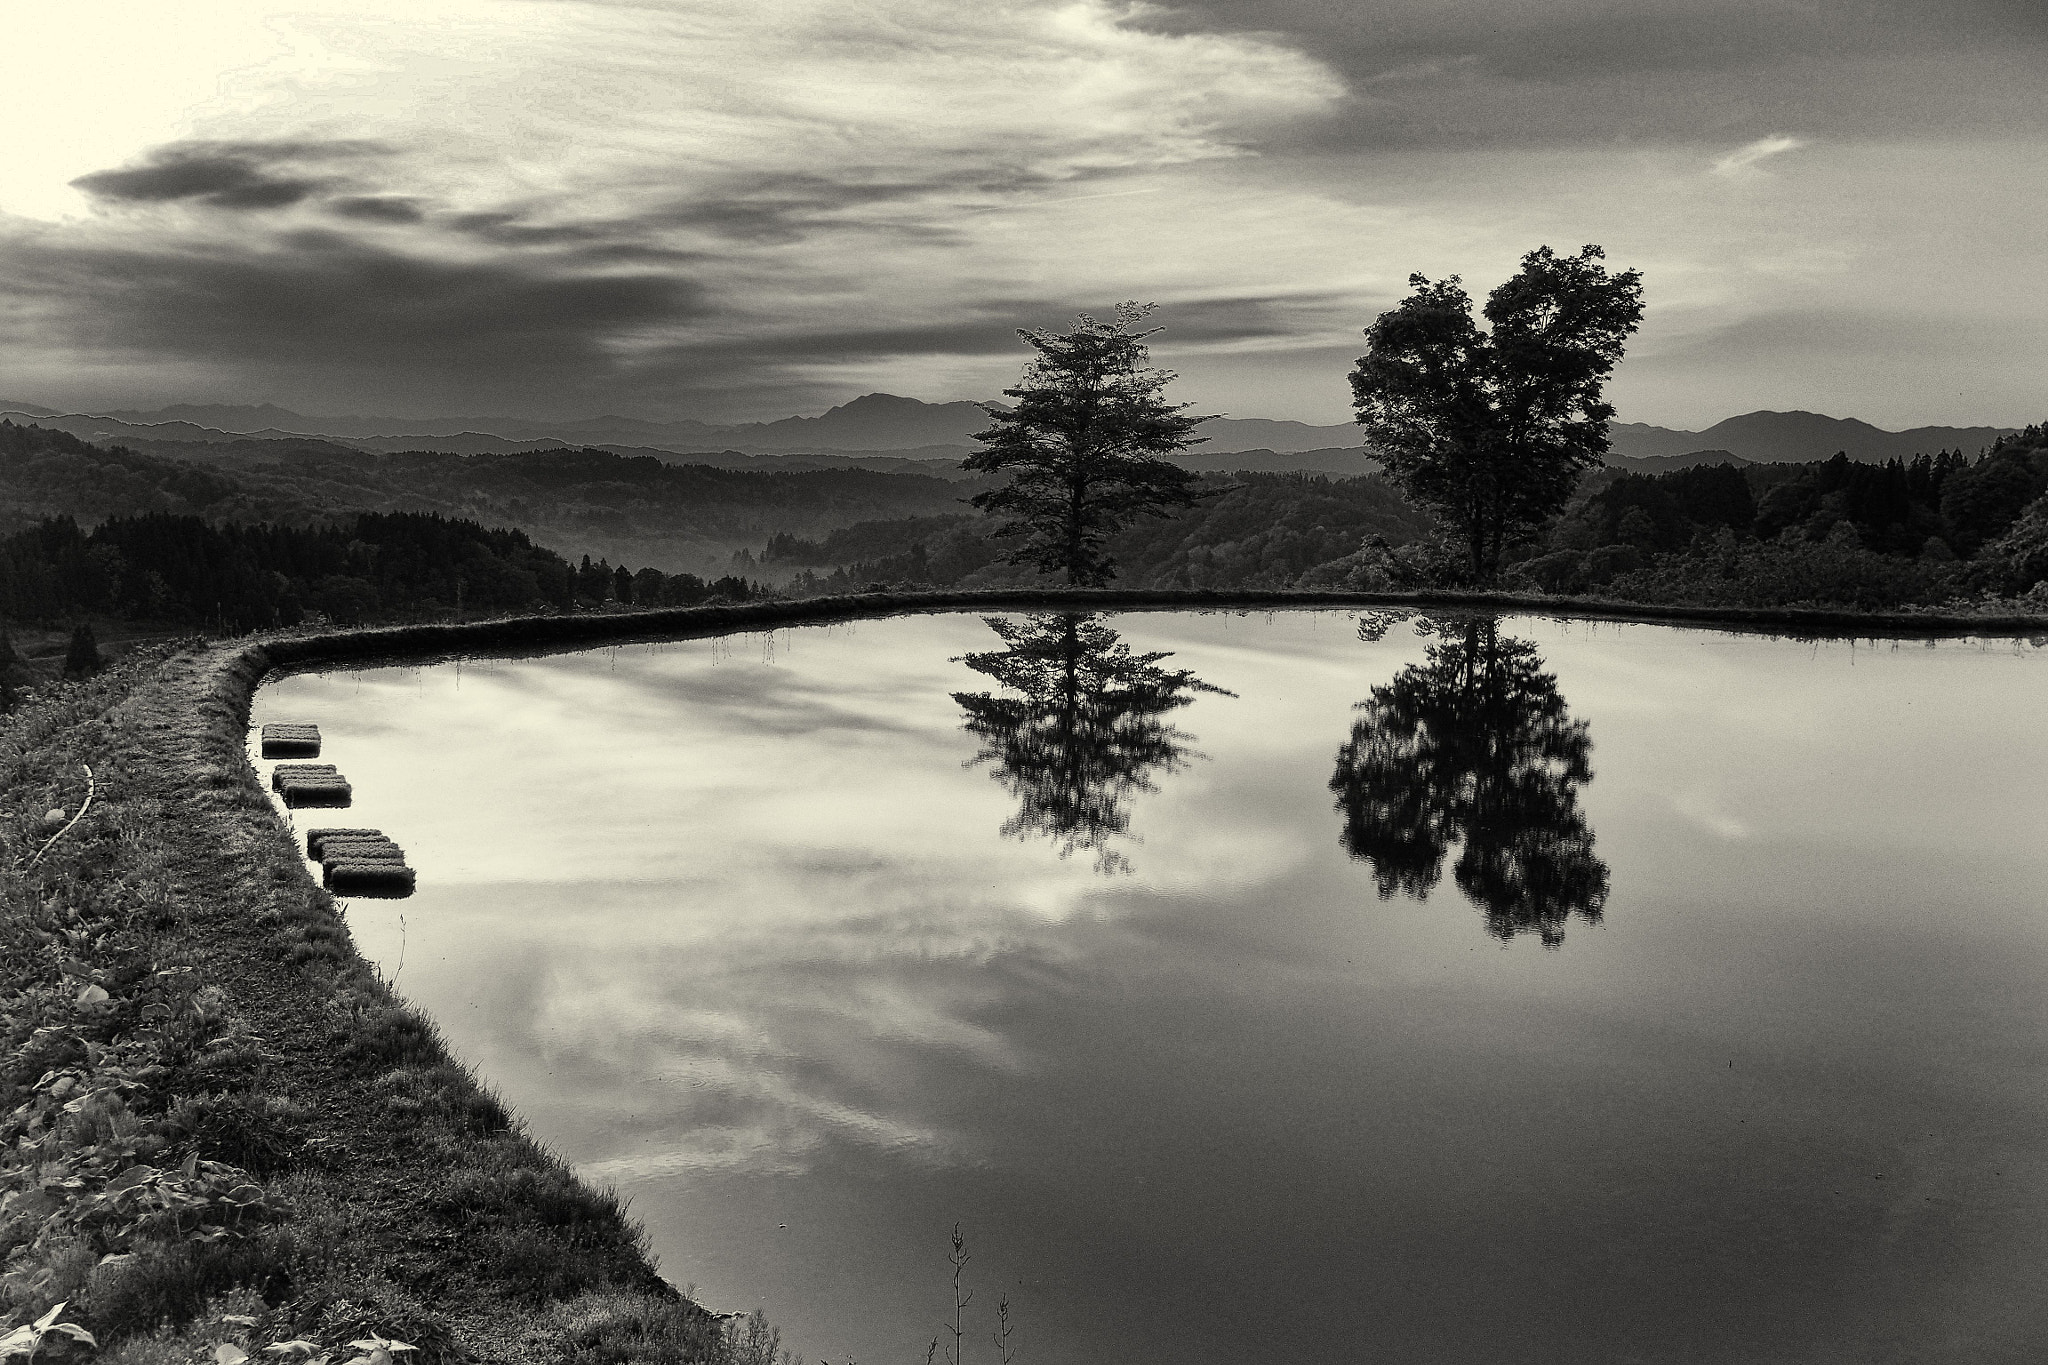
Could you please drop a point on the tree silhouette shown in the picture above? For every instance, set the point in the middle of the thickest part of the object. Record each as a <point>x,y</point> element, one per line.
<point>1086,733</point>
<point>1085,448</point>
<point>1491,429</point>
<point>1475,745</point>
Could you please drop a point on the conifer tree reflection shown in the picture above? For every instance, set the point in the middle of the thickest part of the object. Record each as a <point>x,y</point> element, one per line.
<point>1475,745</point>
<point>1086,733</point>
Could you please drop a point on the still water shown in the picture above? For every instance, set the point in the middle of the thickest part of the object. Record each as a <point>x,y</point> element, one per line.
<point>1334,988</point>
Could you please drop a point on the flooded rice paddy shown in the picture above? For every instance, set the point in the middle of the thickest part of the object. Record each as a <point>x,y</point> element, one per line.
<point>1332,988</point>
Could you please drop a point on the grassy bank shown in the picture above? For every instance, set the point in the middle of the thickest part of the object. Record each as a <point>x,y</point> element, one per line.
<point>222,1129</point>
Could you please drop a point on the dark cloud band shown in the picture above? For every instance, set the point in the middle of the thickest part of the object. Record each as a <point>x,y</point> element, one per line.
<point>227,175</point>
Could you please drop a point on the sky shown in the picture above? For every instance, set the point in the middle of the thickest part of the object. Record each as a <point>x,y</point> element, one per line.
<point>741,210</point>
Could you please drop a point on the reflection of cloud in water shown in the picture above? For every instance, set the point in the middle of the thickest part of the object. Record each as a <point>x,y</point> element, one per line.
<point>655,687</point>
<point>774,1128</point>
<point>1703,810</point>
<point>814,982</point>
<point>765,698</point>
<point>808,1035</point>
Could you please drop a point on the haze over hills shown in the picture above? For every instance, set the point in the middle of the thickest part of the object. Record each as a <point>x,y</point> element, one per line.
<point>1669,464</point>
<point>915,436</point>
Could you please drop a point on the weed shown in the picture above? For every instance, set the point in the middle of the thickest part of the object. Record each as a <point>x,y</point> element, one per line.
<point>1006,1351</point>
<point>1005,1331</point>
<point>958,1259</point>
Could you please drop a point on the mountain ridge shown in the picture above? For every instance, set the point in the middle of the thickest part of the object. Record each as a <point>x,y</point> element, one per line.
<point>882,424</point>
<point>1794,437</point>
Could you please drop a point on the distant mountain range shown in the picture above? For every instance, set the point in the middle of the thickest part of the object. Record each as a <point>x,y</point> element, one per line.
<point>875,422</point>
<point>881,430</point>
<point>1796,437</point>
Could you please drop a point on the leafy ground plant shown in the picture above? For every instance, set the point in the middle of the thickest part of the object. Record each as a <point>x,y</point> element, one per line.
<point>24,1342</point>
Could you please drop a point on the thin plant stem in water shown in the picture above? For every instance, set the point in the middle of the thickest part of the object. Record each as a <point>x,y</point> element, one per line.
<point>958,1259</point>
<point>1005,1352</point>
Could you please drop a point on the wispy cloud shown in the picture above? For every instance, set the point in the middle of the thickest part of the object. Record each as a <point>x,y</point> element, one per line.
<point>1746,159</point>
<point>626,199</point>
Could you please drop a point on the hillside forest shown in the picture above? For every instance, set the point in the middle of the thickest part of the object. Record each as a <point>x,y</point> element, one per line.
<point>1942,529</point>
<point>93,532</point>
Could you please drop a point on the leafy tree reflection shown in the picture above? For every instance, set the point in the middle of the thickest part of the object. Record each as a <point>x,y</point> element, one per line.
<point>1475,745</point>
<point>1086,733</point>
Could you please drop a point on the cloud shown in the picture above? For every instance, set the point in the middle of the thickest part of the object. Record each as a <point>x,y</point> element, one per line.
<point>1744,160</point>
<point>228,175</point>
<point>221,181</point>
<point>710,198</point>
<point>322,300</point>
<point>1476,73</point>
<point>378,208</point>
<point>737,210</point>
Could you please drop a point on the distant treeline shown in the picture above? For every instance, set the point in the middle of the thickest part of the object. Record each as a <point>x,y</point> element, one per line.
<point>1838,532</point>
<point>1252,531</point>
<point>1921,531</point>
<point>234,577</point>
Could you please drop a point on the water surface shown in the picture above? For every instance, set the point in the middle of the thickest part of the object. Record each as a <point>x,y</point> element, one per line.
<point>1325,990</point>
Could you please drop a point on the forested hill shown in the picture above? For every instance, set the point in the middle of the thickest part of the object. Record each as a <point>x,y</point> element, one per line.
<point>632,509</point>
<point>233,577</point>
<point>1934,530</point>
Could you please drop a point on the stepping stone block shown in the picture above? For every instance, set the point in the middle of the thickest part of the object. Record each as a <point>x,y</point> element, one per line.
<point>357,848</point>
<point>286,772</point>
<point>291,741</point>
<point>360,853</point>
<point>389,880</point>
<point>360,862</point>
<point>327,790</point>
<point>315,837</point>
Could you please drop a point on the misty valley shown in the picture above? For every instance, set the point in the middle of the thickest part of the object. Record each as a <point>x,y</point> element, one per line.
<point>1250,986</point>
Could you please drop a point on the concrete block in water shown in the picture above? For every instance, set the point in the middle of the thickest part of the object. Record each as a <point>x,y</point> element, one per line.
<point>330,848</point>
<point>335,854</point>
<point>370,879</point>
<point>317,791</point>
<point>314,838</point>
<point>291,741</point>
<point>285,772</point>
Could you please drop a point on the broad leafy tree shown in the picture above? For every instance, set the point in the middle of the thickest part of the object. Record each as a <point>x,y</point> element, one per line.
<point>1475,746</point>
<point>1085,446</point>
<point>1490,429</point>
<point>1084,731</point>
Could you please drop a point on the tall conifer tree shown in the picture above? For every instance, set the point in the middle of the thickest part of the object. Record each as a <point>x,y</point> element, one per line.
<point>1085,446</point>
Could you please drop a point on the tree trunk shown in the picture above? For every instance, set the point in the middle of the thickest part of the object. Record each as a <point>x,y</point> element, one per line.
<point>1076,500</point>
